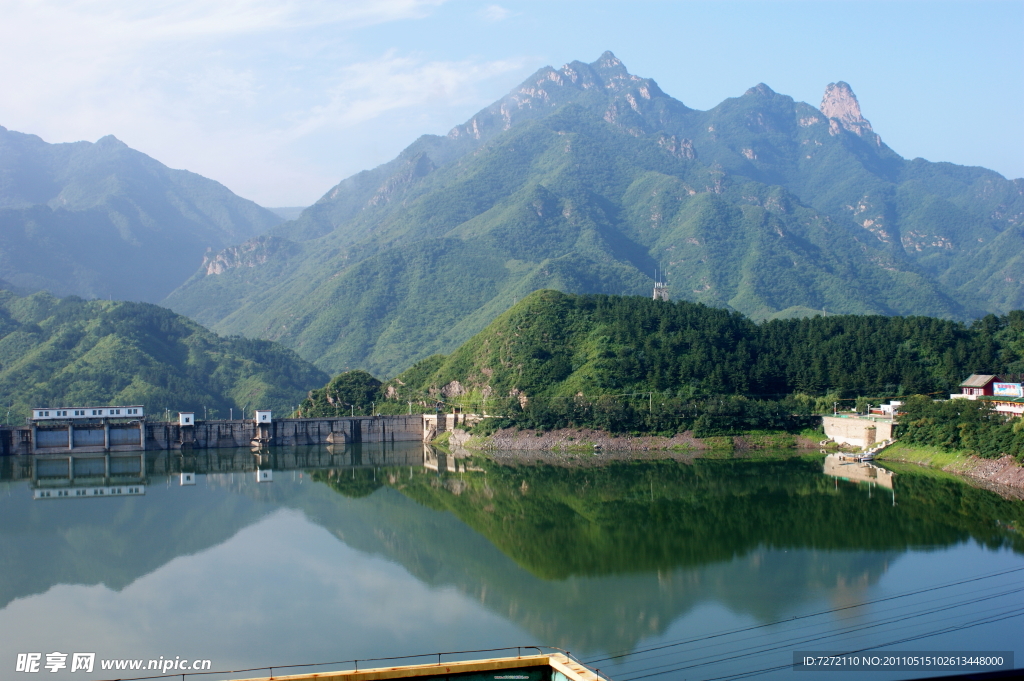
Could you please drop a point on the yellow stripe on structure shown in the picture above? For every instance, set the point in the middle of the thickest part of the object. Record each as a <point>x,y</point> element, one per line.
<point>569,669</point>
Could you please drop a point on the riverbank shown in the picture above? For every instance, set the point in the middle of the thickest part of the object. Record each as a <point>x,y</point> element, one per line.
<point>580,440</point>
<point>998,474</point>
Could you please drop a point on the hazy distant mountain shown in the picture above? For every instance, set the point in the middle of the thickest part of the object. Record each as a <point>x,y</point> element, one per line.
<point>287,212</point>
<point>103,220</point>
<point>586,179</point>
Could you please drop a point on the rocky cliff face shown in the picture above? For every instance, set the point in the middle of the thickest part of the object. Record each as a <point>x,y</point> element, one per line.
<point>549,89</point>
<point>841,107</point>
<point>251,253</point>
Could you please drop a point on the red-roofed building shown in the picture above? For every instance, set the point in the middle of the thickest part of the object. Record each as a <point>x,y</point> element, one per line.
<point>1005,397</point>
<point>977,384</point>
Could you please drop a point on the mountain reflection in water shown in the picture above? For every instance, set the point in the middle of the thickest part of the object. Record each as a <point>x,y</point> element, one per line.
<point>590,558</point>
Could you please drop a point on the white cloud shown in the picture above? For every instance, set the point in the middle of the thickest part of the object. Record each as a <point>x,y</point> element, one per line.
<point>495,13</point>
<point>368,89</point>
<point>128,21</point>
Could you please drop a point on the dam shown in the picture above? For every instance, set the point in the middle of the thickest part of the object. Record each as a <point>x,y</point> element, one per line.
<point>68,437</point>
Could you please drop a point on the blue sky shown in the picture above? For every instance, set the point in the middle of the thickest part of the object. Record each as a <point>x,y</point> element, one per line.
<point>281,100</point>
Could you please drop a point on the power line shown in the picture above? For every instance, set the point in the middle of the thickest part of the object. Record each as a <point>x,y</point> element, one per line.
<point>802,640</point>
<point>891,620</point>
<point>755,672</point>
<point>987,620</point>
<point>803,617</point>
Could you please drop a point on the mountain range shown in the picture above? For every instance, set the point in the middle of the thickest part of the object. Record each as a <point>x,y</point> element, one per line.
<point>589,179</point>
<point>585,179</point>
<point>105,221</point>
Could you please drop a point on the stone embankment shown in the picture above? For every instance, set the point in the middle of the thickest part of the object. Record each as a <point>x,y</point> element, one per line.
<point>1004,475</point>
<point>586,440</point>
<point>1005,471</point>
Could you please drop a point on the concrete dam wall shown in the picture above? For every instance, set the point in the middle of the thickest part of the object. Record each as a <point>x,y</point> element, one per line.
<point>63,438</point>
<point>286,432</point>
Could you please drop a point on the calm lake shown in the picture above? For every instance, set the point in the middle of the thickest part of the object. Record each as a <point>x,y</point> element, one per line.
<point>709,569</point>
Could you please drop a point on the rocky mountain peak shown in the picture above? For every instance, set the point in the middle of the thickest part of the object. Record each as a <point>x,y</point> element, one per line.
<point>608,60</point>
<point>840,105</point>
<point>548,88</point>
<point>760,89</point>
<point>110,141</point>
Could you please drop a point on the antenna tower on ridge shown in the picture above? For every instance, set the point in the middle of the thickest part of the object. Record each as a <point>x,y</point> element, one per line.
<point>660,288</point>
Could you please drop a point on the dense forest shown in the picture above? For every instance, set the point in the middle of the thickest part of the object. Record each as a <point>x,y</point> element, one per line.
<point>961,425</point>
<point>630,363</point>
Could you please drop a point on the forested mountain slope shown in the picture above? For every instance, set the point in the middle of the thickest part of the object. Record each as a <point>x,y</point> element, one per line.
<point>556,345</point>
<point>65,352</point>
<point>103,220</point>
<point>586,179</point>
<point>632,364</point>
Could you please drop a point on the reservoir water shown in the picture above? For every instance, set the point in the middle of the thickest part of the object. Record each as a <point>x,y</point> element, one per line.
<point>702,569</point>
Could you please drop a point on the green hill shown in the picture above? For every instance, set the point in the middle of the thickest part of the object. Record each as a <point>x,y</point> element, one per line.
<point>588,178</point>
<point>624,363</point>
<point>555,344</point>
<point>67,351</point>
<point>105,221</point>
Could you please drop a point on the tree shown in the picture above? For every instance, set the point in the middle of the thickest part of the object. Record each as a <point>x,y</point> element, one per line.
<point>350,391</point>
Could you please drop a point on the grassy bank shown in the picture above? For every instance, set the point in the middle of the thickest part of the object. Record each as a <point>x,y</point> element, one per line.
<point>1003,472</point>
<point>924,455</point>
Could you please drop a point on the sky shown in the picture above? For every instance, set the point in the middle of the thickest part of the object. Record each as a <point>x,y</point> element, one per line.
<point>280,100</point>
